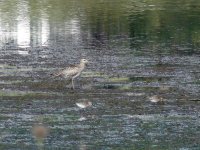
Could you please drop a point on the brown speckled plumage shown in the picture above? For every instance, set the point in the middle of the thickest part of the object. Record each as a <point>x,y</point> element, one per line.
<point>72,71</point>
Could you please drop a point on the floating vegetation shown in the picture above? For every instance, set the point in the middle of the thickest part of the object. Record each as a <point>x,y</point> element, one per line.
<point>125,87</point>
<point>88,74</point>
<point>120,79</point>
<point>134,79</point>
<point>149,79</point>
<point>23,95</point>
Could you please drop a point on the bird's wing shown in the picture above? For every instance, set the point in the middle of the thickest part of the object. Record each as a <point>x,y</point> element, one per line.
<point>72,66</point>
<point>71,70</point>
<point>59,73</point>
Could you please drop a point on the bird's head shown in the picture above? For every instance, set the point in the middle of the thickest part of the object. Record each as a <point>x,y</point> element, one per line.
<point>84,61</point>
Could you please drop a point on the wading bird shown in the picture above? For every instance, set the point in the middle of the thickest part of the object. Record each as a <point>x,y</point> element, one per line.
<point>84,104</point>
<point>72,71</point>
<point>156,99</point>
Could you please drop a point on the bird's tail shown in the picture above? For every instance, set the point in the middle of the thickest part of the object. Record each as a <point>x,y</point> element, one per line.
<point>55,74</point>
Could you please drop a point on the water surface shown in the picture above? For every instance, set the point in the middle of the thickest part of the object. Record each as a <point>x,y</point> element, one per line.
<point>137,49</point>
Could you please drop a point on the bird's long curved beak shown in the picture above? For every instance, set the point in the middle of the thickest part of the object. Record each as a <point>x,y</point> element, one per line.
<point>87,63</point>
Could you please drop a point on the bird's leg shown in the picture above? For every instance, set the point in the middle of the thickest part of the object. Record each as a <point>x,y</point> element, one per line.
<point>73,79</point>
<point>73,83</point>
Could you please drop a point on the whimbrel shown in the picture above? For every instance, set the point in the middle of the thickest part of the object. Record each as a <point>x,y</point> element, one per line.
<point>72,71</point>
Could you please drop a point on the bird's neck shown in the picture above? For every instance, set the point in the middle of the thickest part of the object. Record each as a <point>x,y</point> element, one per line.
<point>82,65</point>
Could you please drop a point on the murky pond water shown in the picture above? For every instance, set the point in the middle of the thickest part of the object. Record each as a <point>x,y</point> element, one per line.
<point>139,52</point>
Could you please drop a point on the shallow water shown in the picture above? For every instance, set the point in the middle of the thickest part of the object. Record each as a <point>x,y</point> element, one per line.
<point>136,49</point>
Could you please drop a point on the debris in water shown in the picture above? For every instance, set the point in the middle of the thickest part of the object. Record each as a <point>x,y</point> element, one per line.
<point>40,131</point>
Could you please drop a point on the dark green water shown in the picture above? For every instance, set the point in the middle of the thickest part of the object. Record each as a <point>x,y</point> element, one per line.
<point>137,49</point>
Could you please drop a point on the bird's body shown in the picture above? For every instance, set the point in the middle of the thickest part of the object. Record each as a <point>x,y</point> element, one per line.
<point>84,104</point>
<point>156,99</point>
<point>72,71</point>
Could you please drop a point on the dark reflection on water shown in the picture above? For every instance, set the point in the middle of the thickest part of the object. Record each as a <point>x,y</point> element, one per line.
<point>139,52</point>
